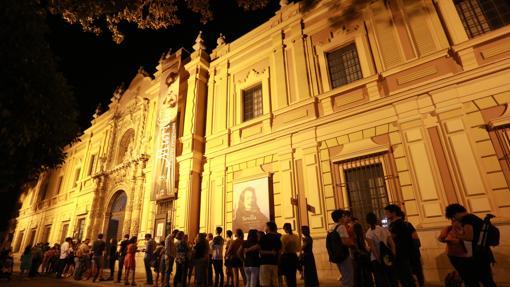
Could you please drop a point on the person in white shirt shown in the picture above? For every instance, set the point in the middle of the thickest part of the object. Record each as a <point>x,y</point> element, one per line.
<point>65,249</point>
<point>379,239</point>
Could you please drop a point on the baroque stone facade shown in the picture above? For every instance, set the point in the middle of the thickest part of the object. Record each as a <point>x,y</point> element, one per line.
<point>407,104</point>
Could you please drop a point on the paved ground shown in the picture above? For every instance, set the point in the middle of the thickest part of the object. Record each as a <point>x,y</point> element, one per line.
<point>51,282</point>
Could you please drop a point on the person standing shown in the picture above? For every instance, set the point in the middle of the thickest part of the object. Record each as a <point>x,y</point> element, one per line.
<point>362,274</point>
<point>228,265</point>
<point>471,231</point>
<point>217,257</point>
<point>25,260</point>
<point>181,260</point>
<point>235,258</point>
<point>159,254</point>
<point>98,250</point>
<point>112,257</point>
<point>82,259</point>
<point>129,261</point>
<point>270,247</point>
<point>291,245</point>
<point>458,252</point>
<point>307,259</point>
<point>169,256</point>
<point>36,259</point>
<point>122,255</point>
<point>345,242</point>
<point>210,238</point>
<point>150,246</point>
<point>382,250</point>
<point>250,255</point>
<point>201,259</point>
<point>402,236</point>
<point>65,249</point>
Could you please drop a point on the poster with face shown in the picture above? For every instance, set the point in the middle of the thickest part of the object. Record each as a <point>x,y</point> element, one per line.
<point>251,204</point>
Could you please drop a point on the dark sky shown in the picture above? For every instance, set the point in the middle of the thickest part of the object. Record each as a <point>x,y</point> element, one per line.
<point>95,65</point>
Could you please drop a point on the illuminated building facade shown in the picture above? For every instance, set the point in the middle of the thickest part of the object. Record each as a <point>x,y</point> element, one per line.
<point>407,105</point>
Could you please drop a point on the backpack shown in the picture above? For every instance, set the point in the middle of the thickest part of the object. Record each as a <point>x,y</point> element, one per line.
<point>337,251</point>
<point>489,234</point>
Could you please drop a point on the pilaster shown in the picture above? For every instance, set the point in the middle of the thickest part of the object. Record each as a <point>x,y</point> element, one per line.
<point>190,161</point>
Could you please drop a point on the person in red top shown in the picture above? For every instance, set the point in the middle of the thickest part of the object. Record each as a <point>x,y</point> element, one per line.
<point>129,261</point>
<point>458,253</point>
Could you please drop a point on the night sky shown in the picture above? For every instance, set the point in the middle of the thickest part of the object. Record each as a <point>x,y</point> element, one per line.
<point>95,65</point>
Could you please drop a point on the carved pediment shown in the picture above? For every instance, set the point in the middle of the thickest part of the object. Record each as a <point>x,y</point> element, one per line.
<point>252,74</point>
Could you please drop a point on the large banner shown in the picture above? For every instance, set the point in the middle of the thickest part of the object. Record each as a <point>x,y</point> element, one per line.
<point>251,204</point>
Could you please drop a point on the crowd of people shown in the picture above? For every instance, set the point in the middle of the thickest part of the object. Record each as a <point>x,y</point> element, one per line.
<point>366,254</point>
<point>387,257</point>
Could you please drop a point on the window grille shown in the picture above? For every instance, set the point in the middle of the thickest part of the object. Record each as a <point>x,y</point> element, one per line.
<point>502,140</point>
<point>481,16</point>
<point>63,235</point>
<point>80,228</point>
<point>46,234</point>
<point>344,66</point>
<point>365,183</point>
<point>252,103</point>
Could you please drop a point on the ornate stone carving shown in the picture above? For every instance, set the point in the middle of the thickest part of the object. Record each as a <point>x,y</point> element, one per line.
<point>221,40</point>
<point>199,43</point>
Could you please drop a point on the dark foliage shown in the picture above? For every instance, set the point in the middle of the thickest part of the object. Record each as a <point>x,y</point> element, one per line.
<point>37,112</point>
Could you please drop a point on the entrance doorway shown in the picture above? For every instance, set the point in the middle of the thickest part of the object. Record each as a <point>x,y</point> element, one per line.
<point>116,220</point>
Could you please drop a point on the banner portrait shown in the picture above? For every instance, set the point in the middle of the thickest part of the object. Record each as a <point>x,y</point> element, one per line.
<point>251,204</point>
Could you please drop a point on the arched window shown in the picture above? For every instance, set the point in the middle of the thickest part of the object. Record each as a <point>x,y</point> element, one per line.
<point>119,202</point>
<point>126,145</point>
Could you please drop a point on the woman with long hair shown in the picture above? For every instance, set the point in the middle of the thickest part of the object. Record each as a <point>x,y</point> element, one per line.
<point>307,259</point>
<point>129,261</point>
<point>251,258</point>
<point>235,258</point>
<point>247,213</point>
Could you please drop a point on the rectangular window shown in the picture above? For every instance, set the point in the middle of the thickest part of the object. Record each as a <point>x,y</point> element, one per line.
<point>65,229</point>
<point>31,238</point>
<point>252,103</point>
<point>500,138</point>
<point>366,188</point>
<point>92,164</point>
<point>76,177</point>
<point>481,16</point>
<point>59,184</point>
<point>46,234</point>
<point>80,228</point>
<point>17,247</point>
<point>344,66</point>
<point>44,190</point>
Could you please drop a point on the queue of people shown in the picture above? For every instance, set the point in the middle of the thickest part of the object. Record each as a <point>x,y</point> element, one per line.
<point>390,257</point>
<point>366,254</point>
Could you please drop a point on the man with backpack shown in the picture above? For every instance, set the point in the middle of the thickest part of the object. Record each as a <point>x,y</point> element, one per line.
<point>338,243</point>
<point>481,235</point>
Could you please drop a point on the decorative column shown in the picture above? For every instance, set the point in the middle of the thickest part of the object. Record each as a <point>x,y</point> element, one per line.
<point>190,161</point>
